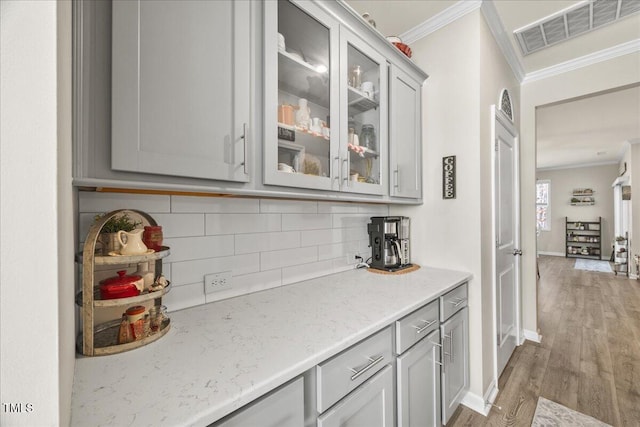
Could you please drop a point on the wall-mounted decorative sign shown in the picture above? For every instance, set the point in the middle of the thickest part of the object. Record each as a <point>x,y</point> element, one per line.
<point>449,177</point>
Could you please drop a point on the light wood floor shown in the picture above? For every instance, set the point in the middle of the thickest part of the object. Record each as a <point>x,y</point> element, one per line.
<point>589,357</point>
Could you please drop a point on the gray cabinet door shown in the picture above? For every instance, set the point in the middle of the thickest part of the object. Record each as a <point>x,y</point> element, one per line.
<point>370,405</point>
<point>455,362</point>
<point>180,88</point>
<point>282,408</point>
<point>405,131</point>
<point>419,384</point>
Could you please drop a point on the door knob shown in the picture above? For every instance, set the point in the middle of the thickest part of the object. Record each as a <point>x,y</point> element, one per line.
<point>517,252</point>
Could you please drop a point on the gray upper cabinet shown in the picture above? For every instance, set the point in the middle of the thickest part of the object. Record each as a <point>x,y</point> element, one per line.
<point>301,96</point>
<point>405,130</point>
<point>325,113</point>
<point>181,88</point>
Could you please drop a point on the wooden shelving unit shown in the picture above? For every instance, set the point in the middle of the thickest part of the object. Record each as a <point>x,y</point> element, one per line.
<point>101,339</point>
<point>583,239</point>
<point>621,256</point>
<point>582,197</point>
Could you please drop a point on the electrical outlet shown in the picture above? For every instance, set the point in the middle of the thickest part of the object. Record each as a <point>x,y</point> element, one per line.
<point>354,257</point>
<point>217,281</point>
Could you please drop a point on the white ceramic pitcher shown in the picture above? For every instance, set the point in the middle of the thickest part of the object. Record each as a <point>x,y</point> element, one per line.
<point>133,244</point>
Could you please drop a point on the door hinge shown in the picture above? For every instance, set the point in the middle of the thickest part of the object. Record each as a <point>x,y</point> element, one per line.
<point>495,147</point>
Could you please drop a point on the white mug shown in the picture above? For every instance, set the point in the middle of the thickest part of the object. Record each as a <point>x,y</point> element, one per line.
<point>367,88</point>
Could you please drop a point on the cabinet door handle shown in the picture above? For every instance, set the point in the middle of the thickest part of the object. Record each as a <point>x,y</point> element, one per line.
<point>396,178</point>
<point>435,343</point>
<point>345,166</point>
<point>457,301</point>
<point>244,138</point>
<point>371,364</point>
<point>450,347</point>
<point>427,325</point>
<point>337,170</point>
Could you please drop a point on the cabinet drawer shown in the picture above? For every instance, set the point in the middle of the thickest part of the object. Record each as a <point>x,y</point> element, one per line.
<point>371,405</point>
<point>415,326</point>
<point>346,371</point>
<point>453,301</point>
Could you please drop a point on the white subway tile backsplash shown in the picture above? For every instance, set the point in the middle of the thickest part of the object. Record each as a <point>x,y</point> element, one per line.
<point>180,225</point>
<point>263,242</point>
<point>337,250</point>
<point>249,283</point>
<point>334,235</point>
<point>298,273</point>
<point>194,270</point>
<point>90,201</point>
<point>190,248</point>
<point>305,222</point>
<point>242,223</point>
<point>288,206</point>
<point>287,257</point>
<point>374,210</point>
<point>351,220</point>
<point>184,297</point>
<point>335,207</point>
<point>193,204</point>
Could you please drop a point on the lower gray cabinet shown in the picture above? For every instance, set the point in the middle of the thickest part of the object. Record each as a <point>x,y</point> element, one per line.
<point>282,408</point>
<point>418,382</point>
<point>455,362</point>
<point>370,405</point>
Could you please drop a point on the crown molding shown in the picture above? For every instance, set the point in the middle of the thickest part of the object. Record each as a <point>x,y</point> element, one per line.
<point>579,165</point>
<point>627,48</point>
<point>502,38</point>
<point>440,20</point>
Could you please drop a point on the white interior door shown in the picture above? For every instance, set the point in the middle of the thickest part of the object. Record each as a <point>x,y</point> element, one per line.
<point>507,237</point>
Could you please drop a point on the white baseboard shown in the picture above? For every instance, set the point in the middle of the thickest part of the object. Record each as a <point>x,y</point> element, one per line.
<point>481,405</point>
<point>551,253</point>
<point>531,336</point>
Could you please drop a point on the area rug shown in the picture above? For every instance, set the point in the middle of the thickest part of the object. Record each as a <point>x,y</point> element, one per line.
<point>552,414</point>
<point>593,265</point>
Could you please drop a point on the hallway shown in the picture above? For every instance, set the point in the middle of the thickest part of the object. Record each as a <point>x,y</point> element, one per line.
<point>589,357</point>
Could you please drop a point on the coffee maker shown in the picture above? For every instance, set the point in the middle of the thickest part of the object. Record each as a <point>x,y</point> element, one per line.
<point>389,242</point>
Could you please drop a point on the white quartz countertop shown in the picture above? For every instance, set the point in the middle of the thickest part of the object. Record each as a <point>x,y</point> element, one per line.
<point>220,356</point>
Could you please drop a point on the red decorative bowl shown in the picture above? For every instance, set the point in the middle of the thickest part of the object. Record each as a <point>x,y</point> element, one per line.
<point>403,48</point>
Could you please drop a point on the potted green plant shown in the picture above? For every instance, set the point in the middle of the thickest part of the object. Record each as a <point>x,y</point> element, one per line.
<point>109,231</point>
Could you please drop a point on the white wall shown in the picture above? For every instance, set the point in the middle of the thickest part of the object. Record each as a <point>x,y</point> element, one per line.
<point>563,182</point>
<point>602,76</point>
<point>36,249</point>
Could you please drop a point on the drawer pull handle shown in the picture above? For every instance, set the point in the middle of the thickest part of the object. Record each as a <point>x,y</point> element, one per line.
<point>372,363</point>
<point>428,324</point>
<point>458,301</point>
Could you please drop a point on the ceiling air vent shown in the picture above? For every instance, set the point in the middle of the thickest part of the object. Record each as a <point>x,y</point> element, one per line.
<point>579,19</point>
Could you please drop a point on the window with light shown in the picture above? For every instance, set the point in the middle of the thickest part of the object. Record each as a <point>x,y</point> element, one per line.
<point>543,205</point>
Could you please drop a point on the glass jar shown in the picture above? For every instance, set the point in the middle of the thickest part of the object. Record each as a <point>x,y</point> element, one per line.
<point>368,137</point>
<point>355,77</point>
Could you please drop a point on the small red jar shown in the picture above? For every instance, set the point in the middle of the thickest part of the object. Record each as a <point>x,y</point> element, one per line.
<point>152,237</point>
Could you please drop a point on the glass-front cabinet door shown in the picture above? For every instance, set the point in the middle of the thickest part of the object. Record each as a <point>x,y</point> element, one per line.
<point>363,132</point>
<point>301,96</point>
